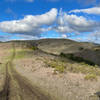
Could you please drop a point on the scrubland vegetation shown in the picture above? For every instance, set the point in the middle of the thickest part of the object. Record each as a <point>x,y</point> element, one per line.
<point>64,65</point>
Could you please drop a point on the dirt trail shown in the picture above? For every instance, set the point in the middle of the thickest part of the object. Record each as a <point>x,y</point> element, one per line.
<point>17,87</point>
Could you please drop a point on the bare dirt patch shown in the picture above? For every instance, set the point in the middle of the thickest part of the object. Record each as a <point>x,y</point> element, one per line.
<point>65,86</point>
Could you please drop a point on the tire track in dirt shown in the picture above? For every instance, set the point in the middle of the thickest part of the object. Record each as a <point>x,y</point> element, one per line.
<point>17,87</point>
<point>5,92</point>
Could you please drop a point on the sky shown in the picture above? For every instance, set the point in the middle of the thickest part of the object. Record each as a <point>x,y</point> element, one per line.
<point>36,19</point>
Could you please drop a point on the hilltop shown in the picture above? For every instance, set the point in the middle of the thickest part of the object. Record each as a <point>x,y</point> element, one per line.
<point>86,50</point>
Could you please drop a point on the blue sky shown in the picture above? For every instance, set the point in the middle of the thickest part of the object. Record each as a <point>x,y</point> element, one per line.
<point>34,19</point>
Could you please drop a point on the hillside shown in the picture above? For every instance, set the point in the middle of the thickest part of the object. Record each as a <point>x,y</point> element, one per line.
<point>49,69</point>
<point>88,51</point>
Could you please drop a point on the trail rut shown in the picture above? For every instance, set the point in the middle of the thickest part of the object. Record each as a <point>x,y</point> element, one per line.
<point>17,87</point>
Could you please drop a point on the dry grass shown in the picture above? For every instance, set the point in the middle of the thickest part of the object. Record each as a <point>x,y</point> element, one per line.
<point>66,66</point>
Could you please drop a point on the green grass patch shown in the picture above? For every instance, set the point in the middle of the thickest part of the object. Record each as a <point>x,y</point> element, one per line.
<point>23,53</point>
<point>34,48</point>
<point>60,69</point>
<point>20,54</point>
<point>91,77</point>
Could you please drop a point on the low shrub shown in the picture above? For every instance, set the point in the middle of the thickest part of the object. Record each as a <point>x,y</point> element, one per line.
<point>63,65</point>
<point>76,58</point>
<point>34,48</point>
<point>96,49</point>
<point>81,48</point>
<point>91,77</point>
<point>60,69</point>
<point>57,65</point>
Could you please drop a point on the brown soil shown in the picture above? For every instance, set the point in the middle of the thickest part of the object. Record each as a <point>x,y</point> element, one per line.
<point>28,77</point>
<point>16,87</point>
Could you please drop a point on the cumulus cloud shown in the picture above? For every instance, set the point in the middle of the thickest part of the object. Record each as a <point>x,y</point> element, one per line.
<point>64,36</point>
<point>61,22</point>
<point>30,25</point>
<point>73,23</point>
<point>96,35</point>
<point>25,37</point>
<point>80,23</point>
<point>62,26</point>
<point>94,10</point>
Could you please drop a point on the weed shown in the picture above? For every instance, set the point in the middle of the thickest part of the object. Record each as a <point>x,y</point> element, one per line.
<point>81,48</point>
<point>64,66</point>
<point>91,77</point>
<point>57,65</point>
<point>96,49</point>
<point>34,48</point>
<point>60,69</point>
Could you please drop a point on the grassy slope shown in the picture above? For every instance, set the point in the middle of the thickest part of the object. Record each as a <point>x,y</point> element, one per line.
<point>87,51</point>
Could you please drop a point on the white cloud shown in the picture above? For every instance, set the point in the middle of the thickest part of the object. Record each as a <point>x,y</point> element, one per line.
<point>63,29</point>
<point>75,24</point>
<point>80,23</point>
<point>94,10</point>
<point>62,26</point>
<point>60,22</point>
<point>30,25</point>
<point>25,37</point>
<point>96,34</point>
<point>64,36</point>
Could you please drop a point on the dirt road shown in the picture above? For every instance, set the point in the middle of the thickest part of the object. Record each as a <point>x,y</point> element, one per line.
<point>17,87</point>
